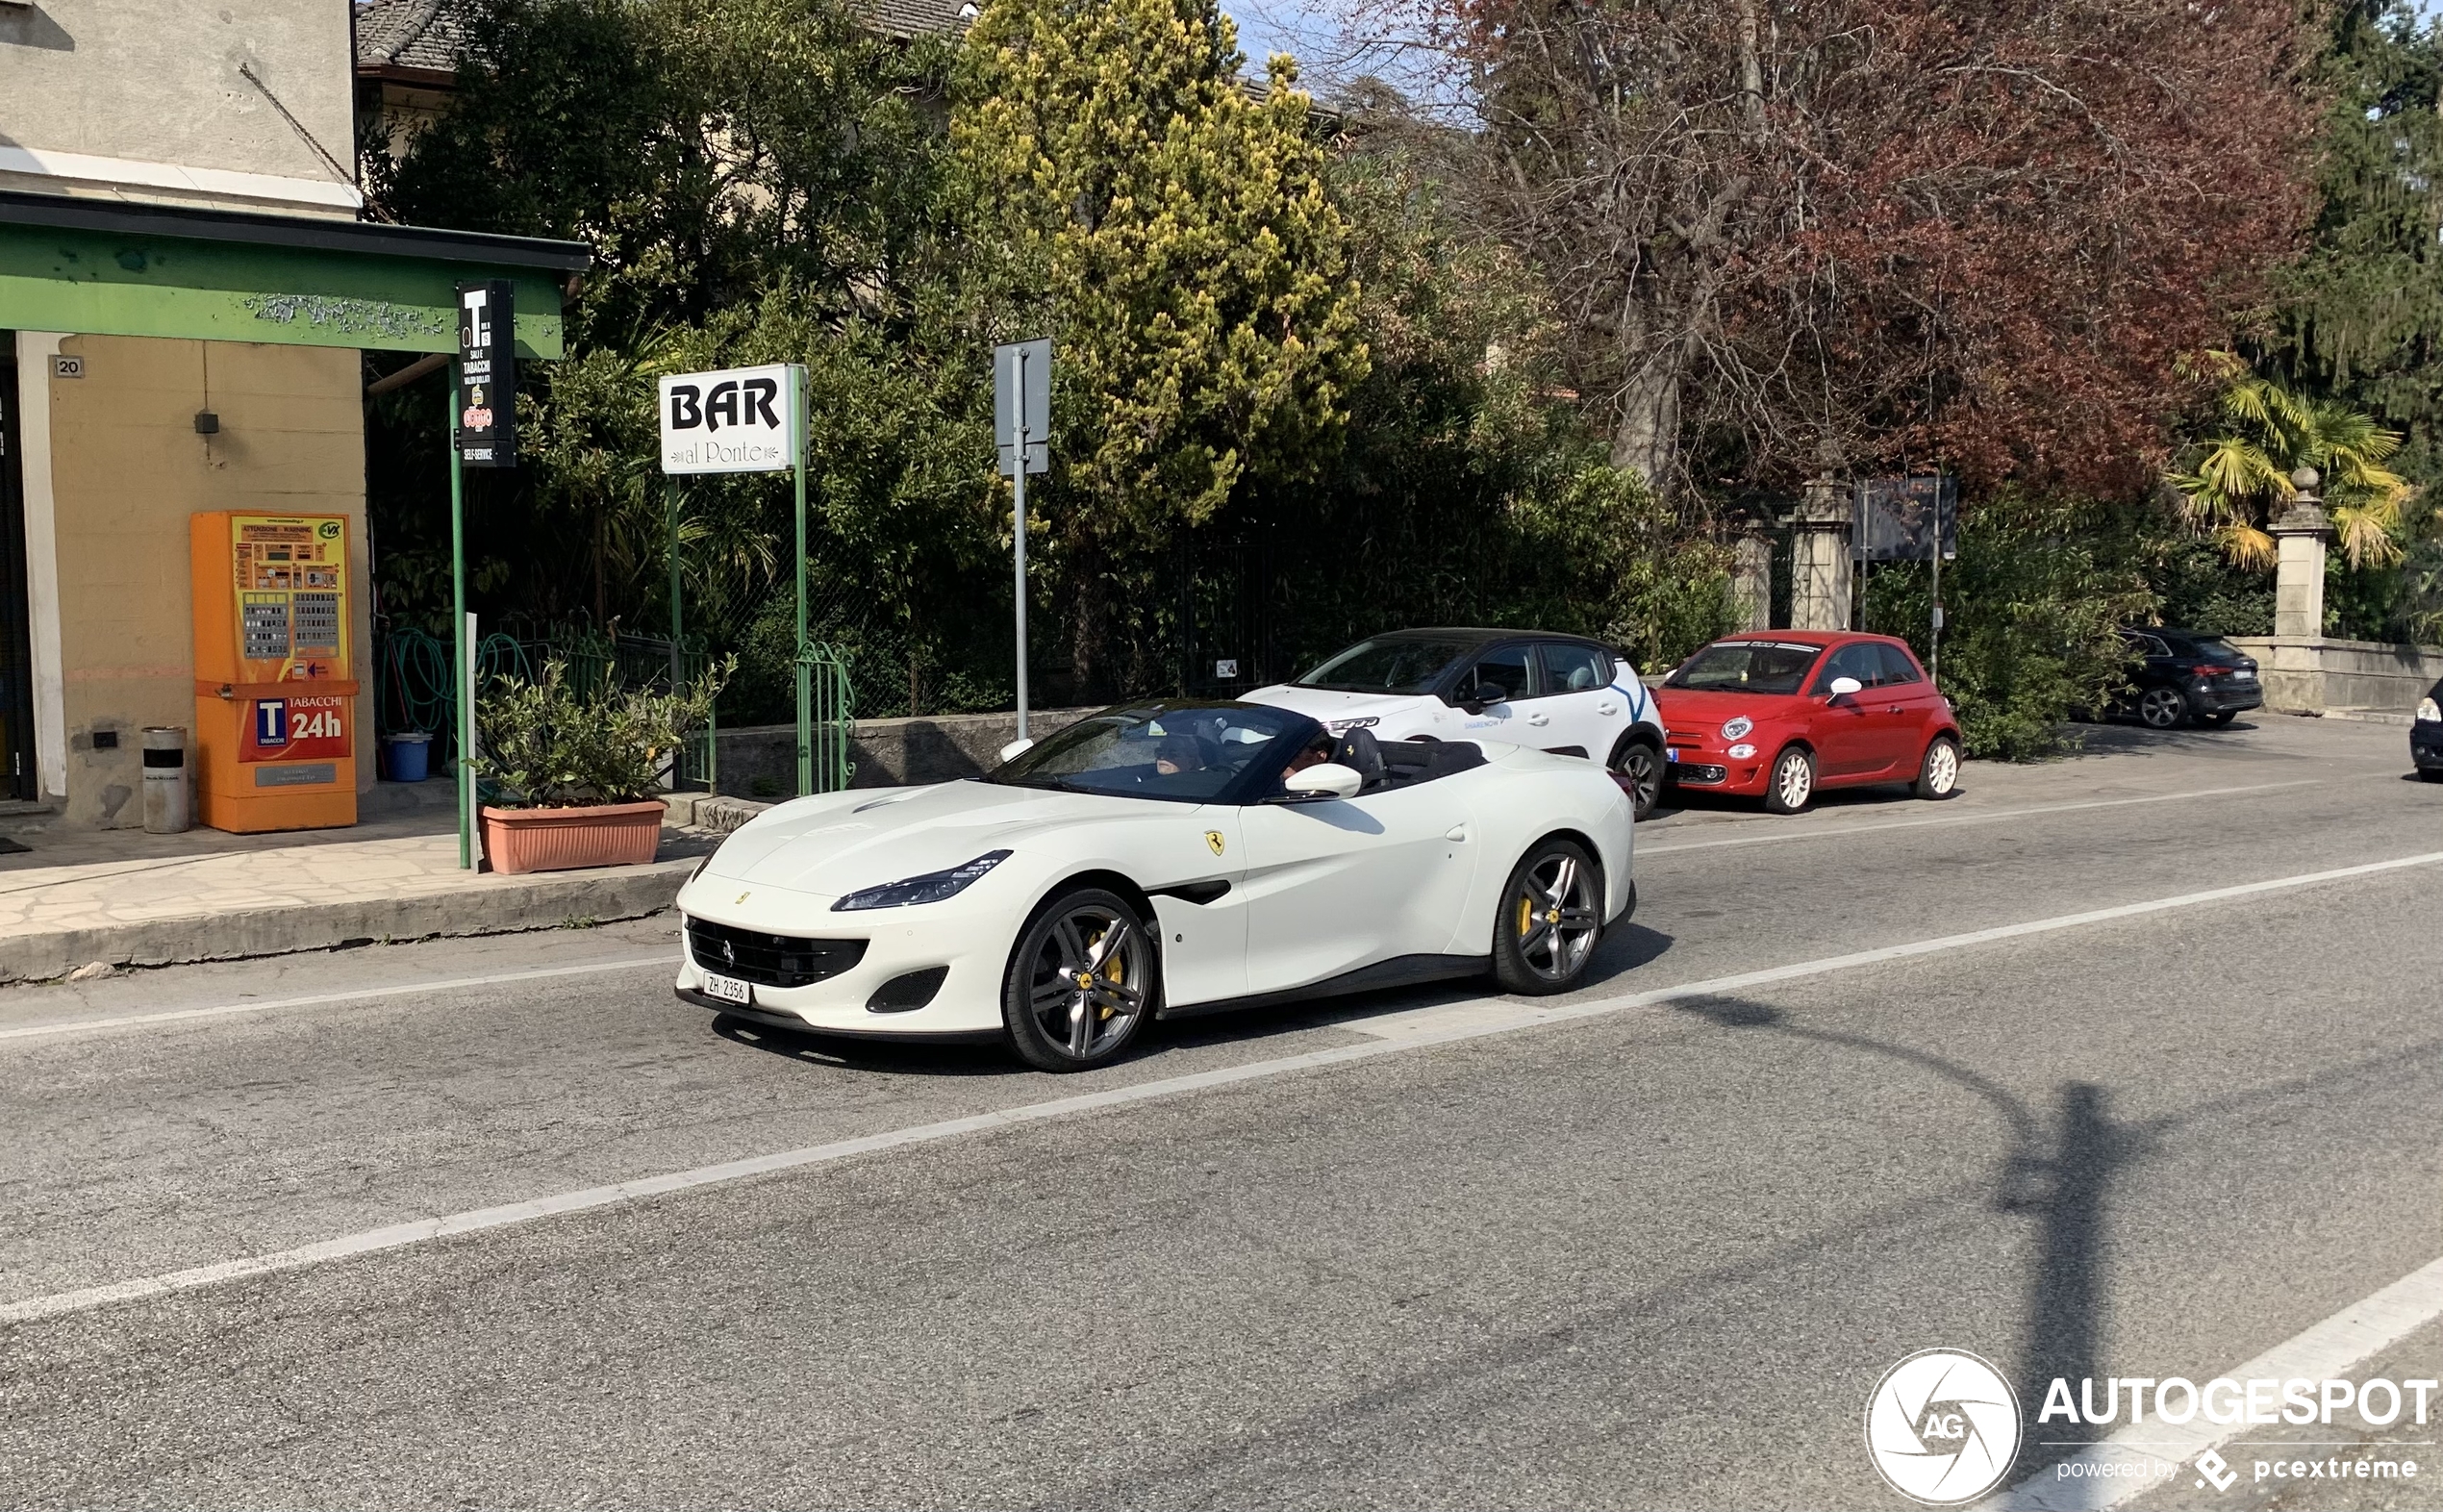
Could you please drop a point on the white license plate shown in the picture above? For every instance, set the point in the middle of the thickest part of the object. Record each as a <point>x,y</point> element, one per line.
<point>729,989</point>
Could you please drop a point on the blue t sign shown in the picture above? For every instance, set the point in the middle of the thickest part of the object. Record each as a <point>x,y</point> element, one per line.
<point>271,722</point>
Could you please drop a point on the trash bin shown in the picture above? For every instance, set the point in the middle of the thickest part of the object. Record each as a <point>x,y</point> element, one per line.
<point>169,805</point>
<point>411,756</point>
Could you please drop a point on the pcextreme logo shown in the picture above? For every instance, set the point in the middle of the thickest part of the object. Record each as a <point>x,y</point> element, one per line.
<point>1942,1426</point>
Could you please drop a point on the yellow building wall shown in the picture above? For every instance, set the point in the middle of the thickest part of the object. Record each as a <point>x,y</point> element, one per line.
<point>127,469</point>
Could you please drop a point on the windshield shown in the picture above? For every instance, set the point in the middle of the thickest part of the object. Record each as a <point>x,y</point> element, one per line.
<point>1185,754</point>
<point>1761,667</point>
<point>1390,664</point>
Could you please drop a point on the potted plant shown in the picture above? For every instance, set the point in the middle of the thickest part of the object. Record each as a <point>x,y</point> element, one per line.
<point>578,773</point>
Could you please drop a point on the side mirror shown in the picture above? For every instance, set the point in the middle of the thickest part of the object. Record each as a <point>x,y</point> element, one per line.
<point>1324,780</point>
<point>1843,687</point>
<point>1484,696</point>
<point>1017,748</point>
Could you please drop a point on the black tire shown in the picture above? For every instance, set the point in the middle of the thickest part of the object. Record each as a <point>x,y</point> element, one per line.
<point>1549,920</point>
<point>1052,1024</point>
<point>2431,773</point>
<point>1938,771</point>
<point>1792,786</point>
<point>1641,770</point>
<point>2162,708</point>
<point>2215,721</point>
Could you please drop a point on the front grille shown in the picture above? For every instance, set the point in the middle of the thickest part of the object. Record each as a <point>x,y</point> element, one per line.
<point>770,960</point>
<point>1692,771</point>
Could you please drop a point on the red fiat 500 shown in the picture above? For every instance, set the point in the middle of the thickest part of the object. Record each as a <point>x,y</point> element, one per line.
<point>1781,713</point>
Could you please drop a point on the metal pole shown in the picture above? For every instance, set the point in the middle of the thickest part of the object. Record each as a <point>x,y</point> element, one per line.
<point>1935,644</point>
<point>1017,484</point>
<point>805,671</point>
<point>464,670</point>
<point>670,512</point>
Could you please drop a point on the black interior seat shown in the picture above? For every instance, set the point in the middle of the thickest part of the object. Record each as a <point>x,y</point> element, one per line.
<point>1361,754</point>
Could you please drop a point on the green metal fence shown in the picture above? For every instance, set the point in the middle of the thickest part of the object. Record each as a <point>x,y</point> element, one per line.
<point>831,706</point>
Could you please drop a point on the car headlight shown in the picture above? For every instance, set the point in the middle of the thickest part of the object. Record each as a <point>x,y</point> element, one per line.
<point>2428,711</point>
<point>1741,751</point>
<point>1737,727</point>
<point>931,888</point>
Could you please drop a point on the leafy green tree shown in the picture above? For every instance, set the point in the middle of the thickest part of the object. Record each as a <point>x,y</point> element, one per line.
<point>2231,482</point>
<point>1171,233</point>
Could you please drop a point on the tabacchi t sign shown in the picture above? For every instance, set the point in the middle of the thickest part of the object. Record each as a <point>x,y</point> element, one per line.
<point>740,419</point>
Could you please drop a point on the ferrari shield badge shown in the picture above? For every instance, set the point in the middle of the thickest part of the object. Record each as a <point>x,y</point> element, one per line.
<point>1212,838</point>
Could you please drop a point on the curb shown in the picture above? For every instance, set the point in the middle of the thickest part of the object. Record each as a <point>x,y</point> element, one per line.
<point>545,901</point>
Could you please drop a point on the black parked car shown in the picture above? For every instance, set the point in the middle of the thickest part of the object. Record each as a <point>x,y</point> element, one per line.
<point>2189,676</point>
<point>2426,737</point>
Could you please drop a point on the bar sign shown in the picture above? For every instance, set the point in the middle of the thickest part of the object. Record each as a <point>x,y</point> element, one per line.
<point>487,418</point>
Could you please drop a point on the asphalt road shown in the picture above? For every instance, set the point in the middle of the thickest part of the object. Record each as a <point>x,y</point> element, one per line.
<point>1654,1255</point>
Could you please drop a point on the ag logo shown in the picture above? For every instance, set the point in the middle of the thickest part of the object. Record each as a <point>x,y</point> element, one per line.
<point>1212,838</point>
<point>1942,1426</point>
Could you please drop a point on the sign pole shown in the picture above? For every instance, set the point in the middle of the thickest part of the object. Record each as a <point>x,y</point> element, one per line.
<point>1017,482</point>
<point>463,671</point>
<point>805,669</point>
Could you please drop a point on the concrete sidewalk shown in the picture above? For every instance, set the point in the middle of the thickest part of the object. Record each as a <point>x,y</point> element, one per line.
<point>128,898</point>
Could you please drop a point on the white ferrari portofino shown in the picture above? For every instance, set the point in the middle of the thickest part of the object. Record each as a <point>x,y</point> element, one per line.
<point>1155,860</point>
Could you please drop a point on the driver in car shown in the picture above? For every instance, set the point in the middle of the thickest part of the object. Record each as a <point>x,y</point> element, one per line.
<point>1177,754</point>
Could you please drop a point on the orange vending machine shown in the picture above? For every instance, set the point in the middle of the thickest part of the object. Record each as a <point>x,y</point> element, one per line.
<point>275,677</point>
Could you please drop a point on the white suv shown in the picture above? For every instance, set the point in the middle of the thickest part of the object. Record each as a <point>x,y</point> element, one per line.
<point>1554,693</point>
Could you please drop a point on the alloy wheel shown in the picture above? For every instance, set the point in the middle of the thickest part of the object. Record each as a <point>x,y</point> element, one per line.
<point>2161,708</point>
<point>1090,979</point>
<point>1794,781</point>
<point>1942,768</point>
<point>1558,916</point>
<point>1641,771</point>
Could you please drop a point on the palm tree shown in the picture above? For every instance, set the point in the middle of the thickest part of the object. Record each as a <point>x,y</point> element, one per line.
<point>2235,481</point>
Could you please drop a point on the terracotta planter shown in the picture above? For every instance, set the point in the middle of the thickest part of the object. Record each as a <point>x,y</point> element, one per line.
<point>556,839</point>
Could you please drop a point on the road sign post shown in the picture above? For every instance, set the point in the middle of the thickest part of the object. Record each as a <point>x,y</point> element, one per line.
<point>1021,431</point>
<point>745,419</point>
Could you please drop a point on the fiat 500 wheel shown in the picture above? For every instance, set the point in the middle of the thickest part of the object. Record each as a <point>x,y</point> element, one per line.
<point>1793,785</point>
<point>1552,917</point>
<point>1080,983</point>
<point>1938,775</point>
<point>1639,767</point>
<point>2162,708</point>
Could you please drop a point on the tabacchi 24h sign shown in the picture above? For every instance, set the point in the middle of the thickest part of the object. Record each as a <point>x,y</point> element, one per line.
<point>740,419</point>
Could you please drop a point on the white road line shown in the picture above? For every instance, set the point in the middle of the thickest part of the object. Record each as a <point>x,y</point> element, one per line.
<point>669,958</point>
<point>1980,818</point>
<point>1524,1016</point>
<point>2323,1351</point>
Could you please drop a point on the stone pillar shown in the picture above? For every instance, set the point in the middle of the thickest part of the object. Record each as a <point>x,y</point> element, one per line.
<point>2300,534</point>
<point>1751,579</point>
<point>1820,557</point>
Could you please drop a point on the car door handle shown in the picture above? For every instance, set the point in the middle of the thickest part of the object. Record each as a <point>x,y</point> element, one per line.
<point>1892,709</point>
<point>1457,832</point>
<point>1539,718</point>
<point>1608,708</point>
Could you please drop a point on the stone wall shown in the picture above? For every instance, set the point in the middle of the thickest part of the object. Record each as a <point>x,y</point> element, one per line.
<point>761,762</point>
<point>2316,673</point>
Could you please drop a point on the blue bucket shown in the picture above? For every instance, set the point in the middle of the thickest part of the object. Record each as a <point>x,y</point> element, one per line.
<point>410,756</point>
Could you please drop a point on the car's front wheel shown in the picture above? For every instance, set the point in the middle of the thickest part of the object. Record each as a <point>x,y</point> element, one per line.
<point>1793,785</point>
<point>1638,767</point>
<point>1551,917</point>
<point>2162,708</point>
<point>1080,983</point>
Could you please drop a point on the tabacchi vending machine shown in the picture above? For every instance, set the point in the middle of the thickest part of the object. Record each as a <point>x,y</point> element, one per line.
<point>275,677</point>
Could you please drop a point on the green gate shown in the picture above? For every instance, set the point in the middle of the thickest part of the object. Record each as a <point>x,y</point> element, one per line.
<point>831,720</point>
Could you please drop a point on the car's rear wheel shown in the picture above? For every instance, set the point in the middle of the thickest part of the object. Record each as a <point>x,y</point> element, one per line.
<point>1080,983</point>
<point>1938,775</point>
<point>1792,787</point>
<point>1638,765</point>
<point>1551,917</point>
<point>2431,773</point>
<point>2162,708</point>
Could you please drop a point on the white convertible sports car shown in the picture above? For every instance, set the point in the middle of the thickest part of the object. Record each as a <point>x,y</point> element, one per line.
<point>1154,860</point>
<point>1562,693</point>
